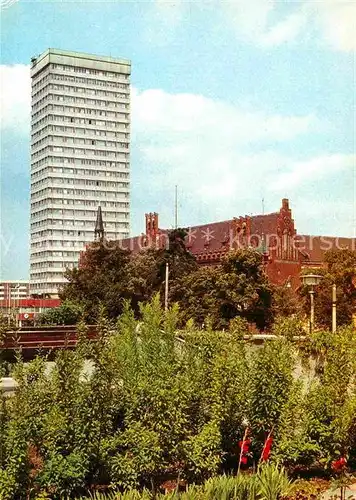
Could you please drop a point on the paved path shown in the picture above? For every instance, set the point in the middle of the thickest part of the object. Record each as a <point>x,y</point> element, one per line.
<point>350,493</point>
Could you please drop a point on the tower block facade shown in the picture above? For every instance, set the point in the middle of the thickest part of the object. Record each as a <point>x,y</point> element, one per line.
<point>80,159</point>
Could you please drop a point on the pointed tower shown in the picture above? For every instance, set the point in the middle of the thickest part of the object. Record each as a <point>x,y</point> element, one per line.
<point>99,226</point>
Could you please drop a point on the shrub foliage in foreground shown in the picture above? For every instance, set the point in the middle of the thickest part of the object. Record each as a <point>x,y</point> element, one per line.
<point>153,408</point>
<point>269,483</point>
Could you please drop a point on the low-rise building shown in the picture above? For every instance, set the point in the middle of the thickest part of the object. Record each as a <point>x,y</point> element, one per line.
<point>14,289</point>
<point>25,310</point>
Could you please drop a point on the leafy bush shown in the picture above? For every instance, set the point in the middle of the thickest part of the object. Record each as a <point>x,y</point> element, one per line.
<point>319,422</point>
<point>269,483</point>
<point>62,475</point>
<point>133,455</point>
<point>68,313</point>
<point>288,327</point>
<point>138,408</point>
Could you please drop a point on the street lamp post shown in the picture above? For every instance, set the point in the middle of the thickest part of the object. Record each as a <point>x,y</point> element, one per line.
<point>311,280</point>
<point>334,309</point>
<point>17,303</point>
<point>312,314</point>
<point>166,288</point>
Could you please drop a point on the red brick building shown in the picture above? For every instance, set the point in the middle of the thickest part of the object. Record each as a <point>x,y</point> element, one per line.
<point>284,251</point>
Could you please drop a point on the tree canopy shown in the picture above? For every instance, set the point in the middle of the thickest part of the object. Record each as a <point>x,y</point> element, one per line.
<point>101,278</point>
<point>109,275</point>
<point>236,287</point>
<point>340,269</point>
<point>67,313</point>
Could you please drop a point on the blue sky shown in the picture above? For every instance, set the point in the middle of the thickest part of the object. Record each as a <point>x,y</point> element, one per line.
<point>234,101</point>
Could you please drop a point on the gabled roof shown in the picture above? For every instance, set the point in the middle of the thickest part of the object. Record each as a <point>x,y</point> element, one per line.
<point>208,237</point>
<point>212,237</point>
<point>218,236</point>
<point>313,248</point>
<point>209,241</point>
<point>264,224</point>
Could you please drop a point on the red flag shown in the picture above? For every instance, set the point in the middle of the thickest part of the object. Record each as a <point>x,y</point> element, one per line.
<point>338,465</point>
<point>267,449</point>
<point>245,446</point>
<point>244,449</point>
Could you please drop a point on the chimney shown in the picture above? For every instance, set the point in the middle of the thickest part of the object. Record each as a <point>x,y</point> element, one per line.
<point>285,204</point>
<point>151,224</point>
<point>148,223</point>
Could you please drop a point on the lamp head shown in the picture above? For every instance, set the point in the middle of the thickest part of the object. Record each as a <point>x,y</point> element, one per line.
<point>311,279</point>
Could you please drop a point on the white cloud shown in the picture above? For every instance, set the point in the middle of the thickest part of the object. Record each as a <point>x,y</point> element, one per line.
<point>205,145</point>
<point>195,116</point>
<point>337,22</point>
<point>252,22</point>
<point>318,216</point>
<point>250,18</point>
<point>313,169</point>
<point>284,31</point>
<point>265,23</point>
<point>163,19</point>
<point>225,160</point>
<point>15,97</point>
<point>333,20</point>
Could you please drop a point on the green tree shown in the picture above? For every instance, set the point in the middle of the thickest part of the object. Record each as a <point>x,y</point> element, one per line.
<point>68,313</point>
<point>288,327</point>
<point>101,278</point>
<point>244,289</point>
<point>147,269</point>
<point>180,260</point>
<point>8,326</point>
<point>110,275</point>
<point>340,269</point>
<point>286,302</point>
<point>143,277</point>
<point>271,381</point>
<point>318,422</point>
<point>236,287</point>
<point>196,293</point>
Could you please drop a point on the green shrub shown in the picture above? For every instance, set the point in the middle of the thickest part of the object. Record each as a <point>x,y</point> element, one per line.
<point>241,487</point>
<point>133,456</point>
<point>139,407</point>
<point>7,484</point>
<point>62,475</point>
<point>272,482</point>
<point>269,483</point>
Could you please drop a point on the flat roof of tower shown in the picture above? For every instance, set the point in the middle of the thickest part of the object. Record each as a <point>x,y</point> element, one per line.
<point>81,55</point>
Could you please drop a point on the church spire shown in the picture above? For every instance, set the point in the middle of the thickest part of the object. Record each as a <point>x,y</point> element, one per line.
<point>99,226</point>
